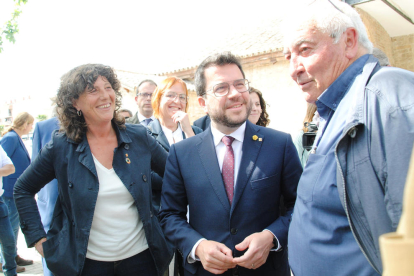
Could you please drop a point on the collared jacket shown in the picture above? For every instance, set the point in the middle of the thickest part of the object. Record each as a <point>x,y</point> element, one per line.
<point>17,152</point>
<point>373,154</point>
<point>72,164</point>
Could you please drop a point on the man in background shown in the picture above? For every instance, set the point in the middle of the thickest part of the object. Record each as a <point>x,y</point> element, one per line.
<point>143,99</point>
<point>47,196</point>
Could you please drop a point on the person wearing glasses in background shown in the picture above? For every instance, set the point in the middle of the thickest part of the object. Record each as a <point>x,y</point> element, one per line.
<point>172,125</point>
<point>143,116</point>
<point>231,177</point>
<point>352,186</point>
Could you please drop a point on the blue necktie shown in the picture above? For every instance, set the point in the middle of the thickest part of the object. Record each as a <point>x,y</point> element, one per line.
<point>146,121</point>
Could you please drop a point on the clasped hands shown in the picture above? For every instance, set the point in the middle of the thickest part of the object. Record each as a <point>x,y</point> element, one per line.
<point>218,258</point>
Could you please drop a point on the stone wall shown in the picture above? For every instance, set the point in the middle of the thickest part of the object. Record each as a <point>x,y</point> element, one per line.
<point>403,51</point>
<point>399,50</point>
<point>377,34</point>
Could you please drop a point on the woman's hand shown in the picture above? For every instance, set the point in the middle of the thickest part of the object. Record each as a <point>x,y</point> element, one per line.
<point>39,246</point>
<point>182,118</point>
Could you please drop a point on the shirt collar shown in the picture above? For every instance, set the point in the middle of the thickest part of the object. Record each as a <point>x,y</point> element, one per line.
<point>238,134</point>
<point>142,117</point>
<point>332,96</point>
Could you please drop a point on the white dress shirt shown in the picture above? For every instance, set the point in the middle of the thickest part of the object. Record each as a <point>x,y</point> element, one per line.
<point>173,136</point>
<point>141,117</point>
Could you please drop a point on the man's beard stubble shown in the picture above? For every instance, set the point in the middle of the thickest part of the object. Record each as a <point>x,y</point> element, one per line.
<point>222,119</point>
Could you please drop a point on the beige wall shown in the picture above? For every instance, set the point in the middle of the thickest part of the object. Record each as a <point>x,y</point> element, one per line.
<point>403,51</point>
<point>399,50</point>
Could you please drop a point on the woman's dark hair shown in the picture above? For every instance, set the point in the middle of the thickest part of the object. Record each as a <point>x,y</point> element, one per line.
<point>72,85</point>
<point>264,120</point>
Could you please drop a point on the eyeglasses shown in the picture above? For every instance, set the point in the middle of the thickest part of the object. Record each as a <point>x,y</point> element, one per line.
<point>145,95</point>
<point>222,89</point>
<point>171,96</point>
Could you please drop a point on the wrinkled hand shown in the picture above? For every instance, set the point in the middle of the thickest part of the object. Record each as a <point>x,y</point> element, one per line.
<point>214,256</point>
<point>259,245</point>
<point>39,246</point>
<point>182,118</point>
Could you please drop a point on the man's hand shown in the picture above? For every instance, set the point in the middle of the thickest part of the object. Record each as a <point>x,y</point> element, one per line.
<point>259,245</point>
<point>214,256</point>
<point>39,246</point>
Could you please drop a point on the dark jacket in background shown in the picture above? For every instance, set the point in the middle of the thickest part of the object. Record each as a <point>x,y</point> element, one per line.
<point>203,122</point>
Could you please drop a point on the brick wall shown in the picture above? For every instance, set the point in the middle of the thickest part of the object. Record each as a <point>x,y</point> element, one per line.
<point>399,50</point>
<point>403,50</point>
<point>377,34</point>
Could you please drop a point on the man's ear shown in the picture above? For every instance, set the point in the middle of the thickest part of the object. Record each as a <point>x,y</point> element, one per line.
<point>351,43</point>
<point>202,103</point>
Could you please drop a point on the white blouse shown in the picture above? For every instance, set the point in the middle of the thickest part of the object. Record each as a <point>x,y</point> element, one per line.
<point>117,231</point>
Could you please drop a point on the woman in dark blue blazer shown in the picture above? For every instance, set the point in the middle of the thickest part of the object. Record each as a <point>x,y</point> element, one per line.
<point>13,145</point>
<point>170,105</point>
<point>103,222</point>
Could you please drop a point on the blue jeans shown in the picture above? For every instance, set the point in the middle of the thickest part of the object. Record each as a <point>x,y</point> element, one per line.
<point>7,239</point>
<point>13,215</point>
<point>140,264</point>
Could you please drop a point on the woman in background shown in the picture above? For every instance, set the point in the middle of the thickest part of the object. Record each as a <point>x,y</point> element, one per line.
<point>172,125</point>
<point>103,220</point>
<point>13,145</point>
<point>298,142</point>
<point>258,115</point>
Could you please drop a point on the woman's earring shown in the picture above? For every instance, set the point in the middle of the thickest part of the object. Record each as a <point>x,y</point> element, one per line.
<point>79,112</point>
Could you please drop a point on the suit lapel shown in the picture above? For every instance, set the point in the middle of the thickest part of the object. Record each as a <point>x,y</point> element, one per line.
<point>23,146</point>
<point>156,129</point>
<point>251,148</point>
<point>208,157</point>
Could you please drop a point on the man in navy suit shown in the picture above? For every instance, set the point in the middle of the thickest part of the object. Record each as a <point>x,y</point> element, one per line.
<point>46,197</point>
<point>231,177</point>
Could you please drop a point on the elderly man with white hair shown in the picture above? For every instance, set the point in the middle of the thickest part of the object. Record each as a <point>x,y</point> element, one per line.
<point>351,189</point>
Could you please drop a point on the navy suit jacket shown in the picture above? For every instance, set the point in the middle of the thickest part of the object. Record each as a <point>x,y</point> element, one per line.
<point>46,197</point>
<point>203,122</point>
<point>269,168</point>
<point>17,152</point>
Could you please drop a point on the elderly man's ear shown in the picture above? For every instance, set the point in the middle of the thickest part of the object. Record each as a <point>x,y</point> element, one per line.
<point>352,48</point>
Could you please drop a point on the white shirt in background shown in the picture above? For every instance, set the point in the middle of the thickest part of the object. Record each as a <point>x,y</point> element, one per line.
<point>4,160</point>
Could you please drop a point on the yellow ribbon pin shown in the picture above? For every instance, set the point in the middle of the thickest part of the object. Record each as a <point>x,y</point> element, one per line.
<point>254,137</point>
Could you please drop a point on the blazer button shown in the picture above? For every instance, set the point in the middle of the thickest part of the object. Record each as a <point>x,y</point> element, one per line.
<point>126,146</point>
<point>70,185</point>
<point>144,177</point>
<point>233,231</point>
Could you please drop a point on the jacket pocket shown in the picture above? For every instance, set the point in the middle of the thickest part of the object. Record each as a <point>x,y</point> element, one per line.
<point>310,176</point>
<point>270,181</point>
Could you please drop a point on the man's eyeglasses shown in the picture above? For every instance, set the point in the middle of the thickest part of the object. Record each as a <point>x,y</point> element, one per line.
<point>145,95</point>
<point>222,89</point>
<point>171,96</point>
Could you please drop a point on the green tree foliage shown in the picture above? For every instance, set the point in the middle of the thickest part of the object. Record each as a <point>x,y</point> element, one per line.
<point>10,27</point>
<point>41,117</point>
